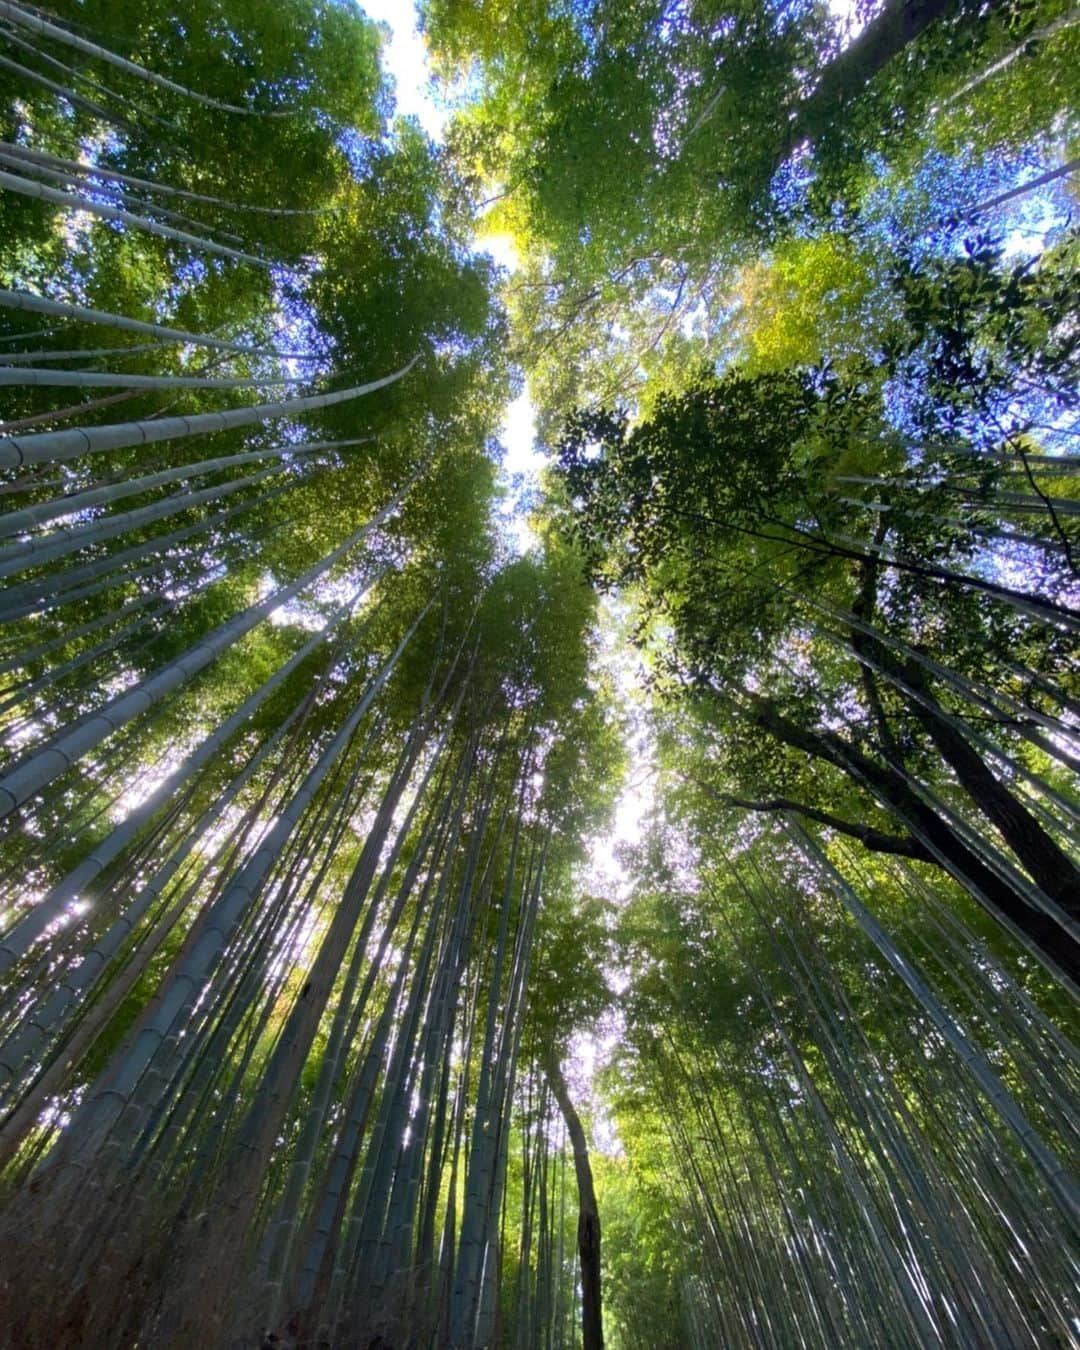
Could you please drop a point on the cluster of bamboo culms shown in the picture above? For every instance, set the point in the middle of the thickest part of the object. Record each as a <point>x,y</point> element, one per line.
<point>861,1066</point>
<point>315,934</point>
<point>1000,719</point>
<point>882,1153</point>
<point>273,854</point>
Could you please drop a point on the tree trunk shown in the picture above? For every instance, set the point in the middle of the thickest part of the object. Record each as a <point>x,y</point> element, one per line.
<point>952,853</point>
<point>1048,864</point>
<point>592,1325</point>
<point>883,39</point>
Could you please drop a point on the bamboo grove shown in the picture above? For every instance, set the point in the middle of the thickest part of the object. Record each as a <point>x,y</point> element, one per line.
<point>303,939</point>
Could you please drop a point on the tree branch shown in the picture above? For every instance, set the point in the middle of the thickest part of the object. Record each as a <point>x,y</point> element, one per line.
<point>876,840</point>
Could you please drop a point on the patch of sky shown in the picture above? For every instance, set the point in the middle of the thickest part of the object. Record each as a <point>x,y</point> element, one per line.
<point>360,151</point>
<point>294,329</point>
<point>404,59</point>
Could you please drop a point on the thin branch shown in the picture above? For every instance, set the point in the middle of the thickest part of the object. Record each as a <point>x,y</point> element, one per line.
<point>876,840</point>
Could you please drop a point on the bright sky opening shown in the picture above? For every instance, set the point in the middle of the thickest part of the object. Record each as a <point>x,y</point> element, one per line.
<point>405,57</point>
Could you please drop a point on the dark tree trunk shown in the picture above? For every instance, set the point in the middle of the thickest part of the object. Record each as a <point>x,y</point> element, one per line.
<point>877,841</point>
<point>592,1325</point>
<point>1046,862</point>
<point>1048,865</point>
<point>956,858</point>
<point>883,39</point>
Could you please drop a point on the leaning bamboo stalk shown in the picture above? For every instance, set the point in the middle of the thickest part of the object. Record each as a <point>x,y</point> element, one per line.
<point>34,597</point>
<point>22,337</point>
<point>71,75</point>
<point>916,692</point>
<point>1025,48</point>
<point>382,1154</point>
<point>64,414</point>
<point>905,1179</point>
<point>110,581</point>
<point>202,958</point>
<point>56,757</point>
<point>1050,1168</point>
<point>38,552</point>
<point>61,445</point>
<point>976,527</point>
<point>324,1267</point>
<point>423,1261</point>
<point>853,1169</point>
<point>69,95</point>
<point>126,1164</point>
<point>257,991</point>
<point>327,1214</point>
<point>192,572</point>
<point>215,1077</point>
<point>17,15</point>
<point>80,983</point>
<point>994,974</point>
<point>27,302</point>
<point>26,187</point>
<point>1005,1191</point>
<point>466,1294</point>
<point>383,1160</point>
<point>1050,1082</point>
<point>129,201</point>
<point>1029,604</point>
<point>99,171</point>
<point>49,354</point>
<point>396,1240</point>
<point>983,847</point>
<point>74,354</point>
<point>505,1077</point>
<point>27,655</point>
<point>977,691</point>
<point>117,768</point>
<point>251,832</point>
<point>24,691</point>
<point>1062,171</point>
<point>283,1231</point>
<point>43,377</point>
<point>266,1113</point>
<point>29,517</point>
<point>917,1161</point>
<point>19,940</point>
